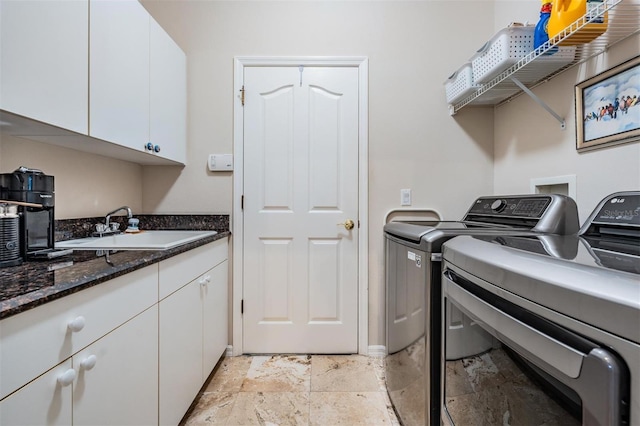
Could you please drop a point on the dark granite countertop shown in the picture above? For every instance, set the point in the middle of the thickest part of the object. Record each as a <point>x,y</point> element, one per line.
<point>35,283</point>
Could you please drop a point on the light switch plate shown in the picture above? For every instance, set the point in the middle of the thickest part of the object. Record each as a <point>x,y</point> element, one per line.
<point>405,197</point>
<point>220,162</point>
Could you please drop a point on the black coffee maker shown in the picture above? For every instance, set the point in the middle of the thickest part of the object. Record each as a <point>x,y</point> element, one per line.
<point>36,221</point>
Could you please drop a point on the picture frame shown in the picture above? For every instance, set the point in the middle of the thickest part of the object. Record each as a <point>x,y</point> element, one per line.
<point>608,107</point>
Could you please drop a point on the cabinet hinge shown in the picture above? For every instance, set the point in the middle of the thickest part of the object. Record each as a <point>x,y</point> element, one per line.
<point>242,202</point>
<point>242,95</point>
<point>242,306</point>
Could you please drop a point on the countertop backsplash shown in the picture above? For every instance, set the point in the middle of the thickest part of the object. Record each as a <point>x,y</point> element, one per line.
<point>68,229</point>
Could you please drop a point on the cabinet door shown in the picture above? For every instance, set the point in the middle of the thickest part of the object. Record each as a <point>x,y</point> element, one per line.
<point>119,73</point>
<point>117,376</point>
<point>215,320</point>
<point>42,402</point>
<point>168,94</point>
<point>180,356</point>
<point>44,61</point>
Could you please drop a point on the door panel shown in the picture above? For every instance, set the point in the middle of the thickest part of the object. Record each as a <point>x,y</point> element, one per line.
<point>275,280</point>
<point>301,185</point>
<point>324,280</point>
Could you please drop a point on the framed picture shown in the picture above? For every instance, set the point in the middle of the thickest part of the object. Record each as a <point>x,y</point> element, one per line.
<point>608,107</point>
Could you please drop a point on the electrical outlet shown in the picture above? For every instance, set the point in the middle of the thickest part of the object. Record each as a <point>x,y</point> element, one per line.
<point>405,197</point>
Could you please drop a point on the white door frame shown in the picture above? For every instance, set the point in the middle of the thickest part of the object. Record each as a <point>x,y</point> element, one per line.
<point>362,63</point>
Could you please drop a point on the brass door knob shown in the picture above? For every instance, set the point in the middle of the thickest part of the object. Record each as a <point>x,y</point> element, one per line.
<point>348,224</point>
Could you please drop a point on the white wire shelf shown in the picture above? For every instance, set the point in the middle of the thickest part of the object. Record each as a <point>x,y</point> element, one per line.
<point>534,68</point>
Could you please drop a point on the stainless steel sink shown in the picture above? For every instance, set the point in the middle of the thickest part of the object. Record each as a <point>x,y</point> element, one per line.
<point>143,240</point>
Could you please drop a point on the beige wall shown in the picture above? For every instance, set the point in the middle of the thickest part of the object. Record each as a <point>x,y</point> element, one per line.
<point>529,142</point>
<point>86,185</point>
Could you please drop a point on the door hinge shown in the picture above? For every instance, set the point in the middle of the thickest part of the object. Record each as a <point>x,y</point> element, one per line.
<point>242,202</point>
<point>242,306</point>
<point>242,95</point>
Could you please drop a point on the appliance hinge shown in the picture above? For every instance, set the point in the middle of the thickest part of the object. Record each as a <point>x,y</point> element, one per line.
<point>242,202</point>
<point>241,306</point>
<point>242,95</point>
<point>358,223</point>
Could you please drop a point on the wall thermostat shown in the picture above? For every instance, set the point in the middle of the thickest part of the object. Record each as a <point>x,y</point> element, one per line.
<point>220,162</point>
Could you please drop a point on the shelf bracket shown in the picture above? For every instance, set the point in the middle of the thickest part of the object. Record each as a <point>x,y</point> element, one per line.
<point>540,102</point>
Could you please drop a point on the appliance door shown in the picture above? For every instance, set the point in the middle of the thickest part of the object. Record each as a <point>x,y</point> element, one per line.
<point>537,372</point>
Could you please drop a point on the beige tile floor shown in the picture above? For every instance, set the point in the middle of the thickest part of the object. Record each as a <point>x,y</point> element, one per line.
<point>309,390</point>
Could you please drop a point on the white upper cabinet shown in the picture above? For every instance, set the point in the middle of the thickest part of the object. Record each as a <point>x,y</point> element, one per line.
<point>119,73</point>
<point>168,95</point>
<point>94,75</point>
<point>44,56</point>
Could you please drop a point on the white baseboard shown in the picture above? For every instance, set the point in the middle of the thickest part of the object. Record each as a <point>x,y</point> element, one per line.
<point>377,351</point>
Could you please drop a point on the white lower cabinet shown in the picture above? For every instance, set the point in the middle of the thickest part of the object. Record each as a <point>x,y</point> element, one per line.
<point>45,401</point>
<point>180,352</point>
<point>117,376</point>
<point>215,318</point>
<point>193,326</point>
<point>134,350</point>
<point>34,341</point>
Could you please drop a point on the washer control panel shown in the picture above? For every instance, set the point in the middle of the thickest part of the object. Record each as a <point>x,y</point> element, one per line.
<point>526,207</point>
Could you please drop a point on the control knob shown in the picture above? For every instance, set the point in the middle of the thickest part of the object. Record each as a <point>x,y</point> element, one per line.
<point>498,205</point>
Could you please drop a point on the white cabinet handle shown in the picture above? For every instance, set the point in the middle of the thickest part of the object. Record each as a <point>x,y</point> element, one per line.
<point>205,280</point>
<point>89,362</point>
<point>77,324</point>
<point>66,378</point>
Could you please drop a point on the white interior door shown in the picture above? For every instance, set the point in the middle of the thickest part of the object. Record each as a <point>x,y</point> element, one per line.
<point>300,178</point>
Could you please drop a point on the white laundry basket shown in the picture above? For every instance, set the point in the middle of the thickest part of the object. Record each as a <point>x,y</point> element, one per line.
<point>505,48</point>
<point>460,84</point>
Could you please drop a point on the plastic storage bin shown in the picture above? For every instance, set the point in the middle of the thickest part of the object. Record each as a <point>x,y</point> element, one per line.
<point>504,49</point>
<point>460,84</point>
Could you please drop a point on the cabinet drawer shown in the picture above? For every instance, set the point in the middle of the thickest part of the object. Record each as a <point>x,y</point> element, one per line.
<point>179,270</point>
<point>42,402</point>
<point>34,341</point>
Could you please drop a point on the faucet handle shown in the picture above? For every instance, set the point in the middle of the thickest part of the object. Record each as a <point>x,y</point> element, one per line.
<point>101,227</point>
<point>115,226</point>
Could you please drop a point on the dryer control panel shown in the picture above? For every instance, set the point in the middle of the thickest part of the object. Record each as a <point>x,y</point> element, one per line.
<point>549,213</point>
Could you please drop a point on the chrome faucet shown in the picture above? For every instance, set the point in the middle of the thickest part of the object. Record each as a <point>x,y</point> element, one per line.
<point>129,215</point>
<point>106,228</point>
